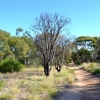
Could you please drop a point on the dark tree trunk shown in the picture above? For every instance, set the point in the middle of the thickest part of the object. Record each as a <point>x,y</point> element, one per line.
<point>46,69</point>
<point>58,68</point>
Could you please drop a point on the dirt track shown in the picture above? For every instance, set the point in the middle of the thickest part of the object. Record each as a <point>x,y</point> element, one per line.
<point>86,87</point>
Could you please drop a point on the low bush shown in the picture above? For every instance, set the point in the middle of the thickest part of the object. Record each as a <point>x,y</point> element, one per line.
<point>10,65</point>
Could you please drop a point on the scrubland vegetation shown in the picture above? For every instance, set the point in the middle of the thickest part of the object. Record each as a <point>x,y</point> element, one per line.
<point>93,68</point>
<point>44,45</point>
<point>32,84</point>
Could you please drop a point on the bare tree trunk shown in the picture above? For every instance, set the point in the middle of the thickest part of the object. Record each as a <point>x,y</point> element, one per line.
<point>47,29</point>
<point>46,69</point>
<point>58,67</point>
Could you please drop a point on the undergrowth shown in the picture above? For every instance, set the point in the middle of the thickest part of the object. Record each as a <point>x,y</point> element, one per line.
<point>93,68</point>
<point>26,85</point>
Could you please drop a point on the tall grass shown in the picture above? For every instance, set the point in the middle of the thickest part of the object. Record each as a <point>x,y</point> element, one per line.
<point>2,84</point>
<point>35,86</point>
<point>93,68</point>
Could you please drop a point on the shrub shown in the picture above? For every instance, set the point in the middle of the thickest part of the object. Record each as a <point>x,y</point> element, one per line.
<point>10,65</point>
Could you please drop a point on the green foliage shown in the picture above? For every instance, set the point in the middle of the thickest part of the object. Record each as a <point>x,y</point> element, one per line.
<point>4,46</point>
<point>18,46</point>
<point>80,56</point>
<point>89,43</point>
<point>10,65</point>
<point>98,55</point>
<point>86,42</point>
<point>69,59</point>
<point>18,30</point>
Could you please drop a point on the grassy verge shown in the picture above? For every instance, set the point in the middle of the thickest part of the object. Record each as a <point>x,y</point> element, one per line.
<point>93,68</point>
<point>31,84</point>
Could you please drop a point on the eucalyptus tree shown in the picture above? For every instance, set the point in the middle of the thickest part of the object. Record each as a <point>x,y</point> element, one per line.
<point>18,46</point>
<point>46,30</point>
<point>98,50</point>
<point>85,42</point>
<point>30,56</point>
<point>4,46</point>
<point>82,55</point>
<point>88,43</point>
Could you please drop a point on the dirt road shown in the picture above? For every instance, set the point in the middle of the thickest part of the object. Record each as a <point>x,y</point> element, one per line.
<point>86,87</point>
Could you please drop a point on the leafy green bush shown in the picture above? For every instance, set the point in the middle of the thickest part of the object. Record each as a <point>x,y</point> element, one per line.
<point>10,65</point>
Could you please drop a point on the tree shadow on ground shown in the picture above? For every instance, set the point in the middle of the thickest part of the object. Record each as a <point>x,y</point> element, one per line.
<point>89,90</point>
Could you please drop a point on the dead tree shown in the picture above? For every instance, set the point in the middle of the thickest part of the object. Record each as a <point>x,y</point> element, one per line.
<point>47,29</point>
<point>60,51</point>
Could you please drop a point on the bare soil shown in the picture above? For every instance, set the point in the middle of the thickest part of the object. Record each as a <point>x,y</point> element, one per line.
<point>85,87</point>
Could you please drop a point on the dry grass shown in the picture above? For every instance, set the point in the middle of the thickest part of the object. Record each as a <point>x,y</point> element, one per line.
<point>32,84</point>
<point>91,67</point>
